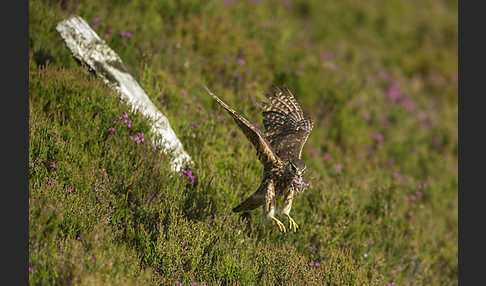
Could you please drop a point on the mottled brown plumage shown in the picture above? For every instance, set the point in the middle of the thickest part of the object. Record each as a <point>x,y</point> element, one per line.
<point>279,149</point>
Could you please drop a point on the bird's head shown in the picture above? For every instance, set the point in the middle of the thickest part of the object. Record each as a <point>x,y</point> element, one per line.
<point>297,167</point>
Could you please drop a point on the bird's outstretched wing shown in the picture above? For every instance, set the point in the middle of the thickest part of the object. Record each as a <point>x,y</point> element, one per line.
<point>263,148</point>
<point>286,127</point>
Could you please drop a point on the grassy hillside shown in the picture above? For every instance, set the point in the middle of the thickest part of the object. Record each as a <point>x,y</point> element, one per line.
<point>379,78</point>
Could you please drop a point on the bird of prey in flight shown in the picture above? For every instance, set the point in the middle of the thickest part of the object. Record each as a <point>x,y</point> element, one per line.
<point>279,149</point>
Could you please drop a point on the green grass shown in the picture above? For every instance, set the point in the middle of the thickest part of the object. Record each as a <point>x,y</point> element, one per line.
<point>139,223</point>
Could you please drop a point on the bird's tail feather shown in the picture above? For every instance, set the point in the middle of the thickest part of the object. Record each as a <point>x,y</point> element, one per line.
<point>249,204</point>
<point>255,200</point>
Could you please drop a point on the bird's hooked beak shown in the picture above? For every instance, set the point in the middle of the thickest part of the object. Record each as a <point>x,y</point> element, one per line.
<point>299,173</point>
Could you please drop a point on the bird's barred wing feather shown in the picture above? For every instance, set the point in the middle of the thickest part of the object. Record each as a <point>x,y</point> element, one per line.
<point>264,150</point>
<point>286,127</point>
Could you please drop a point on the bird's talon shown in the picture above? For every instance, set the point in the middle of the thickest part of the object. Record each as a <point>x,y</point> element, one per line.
<point>292,224</point>
<point>280,225</point>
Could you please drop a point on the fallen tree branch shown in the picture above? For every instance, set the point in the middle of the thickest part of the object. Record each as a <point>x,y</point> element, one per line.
<point>90,49</point>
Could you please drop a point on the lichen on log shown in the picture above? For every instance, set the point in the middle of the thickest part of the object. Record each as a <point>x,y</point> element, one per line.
<point>89,48</point>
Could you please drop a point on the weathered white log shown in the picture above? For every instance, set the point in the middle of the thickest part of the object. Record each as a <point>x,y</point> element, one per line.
<point>90,49</point>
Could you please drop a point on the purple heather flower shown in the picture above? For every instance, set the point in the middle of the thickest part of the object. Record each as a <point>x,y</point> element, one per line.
<point>184,171</point>
<point>240,61</point>
<point>372,241</point>
<point>370,149</point>
<point>96,20</point>
<point>111,129</point>
<point>366,116</point>
<point>378,138</point>
<point>219,117</point>
<point>69,189</point>
<point>327,157</point>
<point>377,280</point>
<point>384,75</point>
<point>61,245</point>
<point>422,186</point>
<point>228,2</point>
<point>311,263</point>
<point>155,147</point>
<point>317,264</point>
<point>255,124</point>
<point>94,259</point>
<point>120,118</point>
<point>393,94</point>
<point>313,153</point>
<point>125,114</point>
<point>192,178</point>
<point>53,165</point>
<point>110,30</point>
<point>238,76</point>
<point>190,167</point>
<point>333,66</point>
<point>31,270</point>
<point>396,176</point>
<point>78,238</point>
<point>326,56</point>
<point>125,34</point>
<point>49,181</point>
<point>408,104</point>
<point>437,141</point>
<point>189,173</point>
<point>454,204</point>
<point>301,67</point>
<point>276,211</point>
<point>125,121</point>
<point>106,36</point>
<point>413,198</point>
<point>338,167</point>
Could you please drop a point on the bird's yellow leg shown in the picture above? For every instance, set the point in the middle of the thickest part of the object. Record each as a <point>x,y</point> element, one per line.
<point>292,223</point>
<point>281,226</point>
